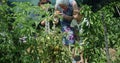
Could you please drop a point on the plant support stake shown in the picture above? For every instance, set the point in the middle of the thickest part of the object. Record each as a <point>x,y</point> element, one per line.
<point>118,10</point>
<point>47,27</point>
<point>106,40</point>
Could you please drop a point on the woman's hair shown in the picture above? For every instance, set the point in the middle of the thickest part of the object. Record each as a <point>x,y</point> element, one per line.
<point>65,2</point>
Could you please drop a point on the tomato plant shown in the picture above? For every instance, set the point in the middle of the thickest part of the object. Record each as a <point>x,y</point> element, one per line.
<point>21,41</point>
<point>93,32</point>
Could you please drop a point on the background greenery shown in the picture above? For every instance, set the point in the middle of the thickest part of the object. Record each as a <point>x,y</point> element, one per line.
<point>21,41</point>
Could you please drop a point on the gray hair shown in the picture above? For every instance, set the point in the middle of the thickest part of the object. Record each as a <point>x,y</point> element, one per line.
<point>66,2</point>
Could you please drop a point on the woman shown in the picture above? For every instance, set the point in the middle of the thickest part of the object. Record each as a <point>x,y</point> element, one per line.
<point>68,10</point>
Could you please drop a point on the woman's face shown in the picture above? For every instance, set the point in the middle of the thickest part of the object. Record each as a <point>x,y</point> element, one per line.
<point>64,7</point>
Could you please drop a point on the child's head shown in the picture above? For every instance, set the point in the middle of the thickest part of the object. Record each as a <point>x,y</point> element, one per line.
<point>43,2</point>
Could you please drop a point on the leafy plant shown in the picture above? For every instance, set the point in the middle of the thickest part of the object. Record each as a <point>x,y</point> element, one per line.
<point>21,41</point>
<point>93,33</point>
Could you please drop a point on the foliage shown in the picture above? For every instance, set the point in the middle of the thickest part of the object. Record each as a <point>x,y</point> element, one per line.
<point>21,41</point>
<point>93,32</point>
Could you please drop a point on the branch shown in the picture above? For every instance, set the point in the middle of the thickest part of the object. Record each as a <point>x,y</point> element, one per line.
<point>118,10</point>
<point>106,40</point>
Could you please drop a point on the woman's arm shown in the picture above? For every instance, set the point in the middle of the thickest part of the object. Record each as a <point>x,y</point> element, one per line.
<point>75,9</point>
<point>57,12</point>
<point>76,14</point>
<point>67,17</point>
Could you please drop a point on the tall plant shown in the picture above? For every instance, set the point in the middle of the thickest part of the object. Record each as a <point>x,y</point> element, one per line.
<point>23,42</point>
<point>93,32</point>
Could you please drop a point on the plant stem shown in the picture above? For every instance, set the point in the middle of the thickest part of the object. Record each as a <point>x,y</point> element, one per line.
<point>118,10</point>
<point>106,40</point>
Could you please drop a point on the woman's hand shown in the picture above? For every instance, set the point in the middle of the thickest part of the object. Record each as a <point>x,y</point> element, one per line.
<point>55,21</point>
<point>57,14</point>
<point>42,23</point>
<point>77,16</point>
